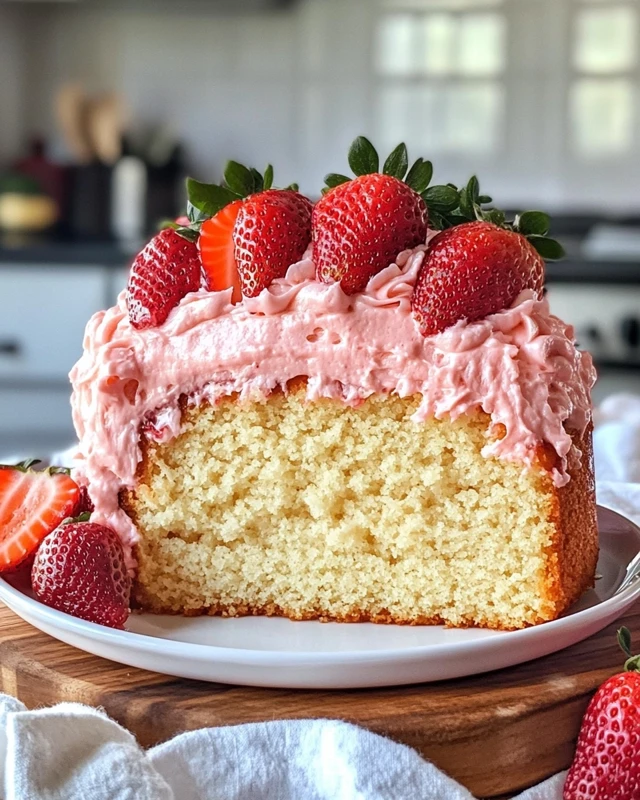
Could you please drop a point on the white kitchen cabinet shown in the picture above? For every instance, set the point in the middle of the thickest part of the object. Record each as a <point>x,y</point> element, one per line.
<point>34,421</point>
<point>43,313</point>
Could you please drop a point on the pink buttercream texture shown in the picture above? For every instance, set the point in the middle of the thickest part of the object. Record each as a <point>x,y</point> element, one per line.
<point>520,366</point>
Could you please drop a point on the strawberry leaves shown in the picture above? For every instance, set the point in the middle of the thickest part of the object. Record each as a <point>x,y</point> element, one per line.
<point>204,200</point>
<point>267,181</point>
<point>242,181</point>
<point>456,206</point>
<point>334,179</point>
<point>632,664</point>
<point>448,205</point>
<point>533,223</point>
<point>535,226</point>
<point>239,179</point>
<point>419,176</point>
<point>549,249</point>
<point>441,199</point>
<point>397,162</point>
<point>363,160</point>
<point>363,157</point>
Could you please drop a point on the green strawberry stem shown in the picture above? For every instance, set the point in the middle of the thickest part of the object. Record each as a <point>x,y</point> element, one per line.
<point>84,517</point>
<point>59,471</point>
<point>632,664</point>
<point>533,225</point>
<point>22,466</point>
<point>26,466</point>
<point>448,205</point>
<point>364,160</point>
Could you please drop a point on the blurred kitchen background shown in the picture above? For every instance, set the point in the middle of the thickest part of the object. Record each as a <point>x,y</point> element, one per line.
<point>105,105</point>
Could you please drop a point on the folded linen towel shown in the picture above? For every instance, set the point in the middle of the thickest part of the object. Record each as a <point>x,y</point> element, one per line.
<point>73,751</point>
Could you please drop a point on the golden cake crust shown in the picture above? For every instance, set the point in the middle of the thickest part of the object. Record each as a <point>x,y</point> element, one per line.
<point>570,555</point>
<point>574,552</point>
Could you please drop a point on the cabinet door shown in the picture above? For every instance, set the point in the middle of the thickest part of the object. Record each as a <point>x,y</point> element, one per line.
<point>43,313</point>
<point>34,417</point>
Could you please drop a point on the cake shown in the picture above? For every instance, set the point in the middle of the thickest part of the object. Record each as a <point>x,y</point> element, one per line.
<point>360,410</point>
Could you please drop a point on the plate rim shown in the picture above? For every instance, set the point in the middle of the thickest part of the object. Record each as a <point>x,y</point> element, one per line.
<point>288,658</point>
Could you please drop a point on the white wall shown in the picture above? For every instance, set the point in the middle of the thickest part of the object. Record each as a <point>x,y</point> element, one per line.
<point>294,87</point>
<point>227,85</point>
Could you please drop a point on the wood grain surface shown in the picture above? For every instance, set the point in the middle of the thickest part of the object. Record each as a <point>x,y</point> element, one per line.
<point>495,733</point>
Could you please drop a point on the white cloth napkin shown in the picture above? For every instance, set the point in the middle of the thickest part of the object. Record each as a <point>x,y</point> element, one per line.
<point>73,751</point>
<point>616,442</point>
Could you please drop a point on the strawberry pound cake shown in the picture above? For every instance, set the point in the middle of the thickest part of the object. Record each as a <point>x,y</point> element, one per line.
<point>360,409</point>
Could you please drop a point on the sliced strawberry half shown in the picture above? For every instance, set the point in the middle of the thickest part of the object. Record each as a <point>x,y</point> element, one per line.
<point>32,504</point>
<point>217,251</point>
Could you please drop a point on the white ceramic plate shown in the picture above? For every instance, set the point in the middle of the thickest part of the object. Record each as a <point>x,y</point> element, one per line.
<point>263,651</point>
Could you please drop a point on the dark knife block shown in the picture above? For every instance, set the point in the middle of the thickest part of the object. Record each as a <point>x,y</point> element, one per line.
<point>89,209</point>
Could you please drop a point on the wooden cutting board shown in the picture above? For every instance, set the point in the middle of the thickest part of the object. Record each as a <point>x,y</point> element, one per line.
<point>495,733</point>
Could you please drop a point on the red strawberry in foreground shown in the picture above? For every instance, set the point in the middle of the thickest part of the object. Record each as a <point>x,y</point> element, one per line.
<point>80,569</point>
<point>32,504</point>
<point>606,765</point>
<point>272,231</point>
<point>165,271</point>
<point>359,227</point>
<point>472,270</point>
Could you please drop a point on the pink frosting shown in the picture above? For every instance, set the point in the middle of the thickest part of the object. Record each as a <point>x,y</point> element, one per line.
<point>520,366</point>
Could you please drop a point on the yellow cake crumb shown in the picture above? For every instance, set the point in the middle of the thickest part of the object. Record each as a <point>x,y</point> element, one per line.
<point>316,510</point>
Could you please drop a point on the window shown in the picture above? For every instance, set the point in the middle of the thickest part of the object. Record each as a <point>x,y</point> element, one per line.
<point>602,104</point>
<point>440,68</point>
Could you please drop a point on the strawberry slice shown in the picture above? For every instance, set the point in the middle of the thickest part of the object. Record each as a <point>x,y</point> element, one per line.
<point>80,569</point>
<point>32,504</point>
<point>217,251</point>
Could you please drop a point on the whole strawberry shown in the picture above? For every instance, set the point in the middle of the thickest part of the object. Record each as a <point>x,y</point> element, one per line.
<point>606,764</point>
<point>80,569</point>
<point>272,231</point>
<point>472,270</point>
<point>165,271</point>
<point>248,234</point>
<point>361,225</point>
